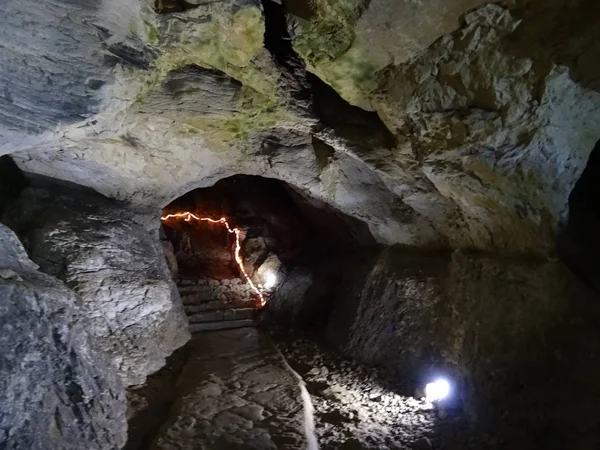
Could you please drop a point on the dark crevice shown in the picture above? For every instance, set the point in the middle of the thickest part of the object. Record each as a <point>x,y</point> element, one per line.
<point>563,33</point>
<point>277,36</point>
<point>12,181</point>
<point>151,404</point>
<point>279,44</point>
<point>299,8</point>
<point>354,124</point>
<point>579,242</point>
<point>359,127</point>
<point>174,6</point>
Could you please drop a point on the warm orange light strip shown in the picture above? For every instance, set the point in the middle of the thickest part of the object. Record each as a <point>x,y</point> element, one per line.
<point>188,216</point>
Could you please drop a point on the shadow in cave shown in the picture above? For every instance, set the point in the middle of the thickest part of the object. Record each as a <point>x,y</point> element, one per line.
<point>293,248</point>
<point>566,33</point>
<point>12,181</point>
<point>278,42</point>
<point>356,125</point>
<point>173,6</point>
<point>362,129</point>
<point>579,242</point>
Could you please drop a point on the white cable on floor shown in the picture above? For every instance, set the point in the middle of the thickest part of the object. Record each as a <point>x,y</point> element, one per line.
<point>309,416</point>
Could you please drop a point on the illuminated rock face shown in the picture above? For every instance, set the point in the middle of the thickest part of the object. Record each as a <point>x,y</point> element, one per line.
<point>57,390</point>
<point>490,124</point>
<point>112,258</point>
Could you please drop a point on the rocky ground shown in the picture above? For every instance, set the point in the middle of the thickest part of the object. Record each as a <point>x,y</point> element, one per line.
<point>232,389</point>
<point>357,407</point>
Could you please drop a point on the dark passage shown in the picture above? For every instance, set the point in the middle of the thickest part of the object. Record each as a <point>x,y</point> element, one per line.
<point>291,248</point>
<point>172,6</point>
<point>579,243</point>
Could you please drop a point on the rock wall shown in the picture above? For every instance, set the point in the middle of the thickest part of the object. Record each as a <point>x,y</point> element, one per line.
<point>56,389</point>
<point>62,76</point>
<point>519,338</point>
<point>491,115</point>
<point>111,256</point>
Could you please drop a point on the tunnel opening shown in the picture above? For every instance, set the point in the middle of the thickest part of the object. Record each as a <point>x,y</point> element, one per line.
<point>579,242</point>
<point>249,242</point>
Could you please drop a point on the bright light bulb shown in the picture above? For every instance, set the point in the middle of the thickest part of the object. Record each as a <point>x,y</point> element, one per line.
<point>437,390</point>
<point>271,280</point>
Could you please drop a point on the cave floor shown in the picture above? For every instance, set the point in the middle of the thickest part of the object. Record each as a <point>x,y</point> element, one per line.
<point>359,408</point>
<point>234,391</point>
<point>238,389</point>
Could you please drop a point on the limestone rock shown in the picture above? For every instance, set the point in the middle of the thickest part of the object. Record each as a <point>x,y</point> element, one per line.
<point>347,42</point>
<point>490,324</point>
<point>112,257</point>
<point>483,122</point>
<point>57,391</point>
<point>270,273</point>
<point>492,117</point>
<point>196,108</point>
<point>234,392</point>
<point>65,74</point>
<point>254,252</point>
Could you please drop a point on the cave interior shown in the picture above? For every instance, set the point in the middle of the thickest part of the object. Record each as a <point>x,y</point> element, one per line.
<point>299,224</point>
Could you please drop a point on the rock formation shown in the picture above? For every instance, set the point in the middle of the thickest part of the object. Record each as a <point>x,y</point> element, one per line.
<point>57,390</point>
<point>497,324</point>
<point>111,257</point>
<point>493,123</point>
<point>440,141</point>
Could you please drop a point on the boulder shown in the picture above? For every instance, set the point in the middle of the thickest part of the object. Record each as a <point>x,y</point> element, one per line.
<point>270,273</point>
<point>111,256</point>
<point>57,389</point>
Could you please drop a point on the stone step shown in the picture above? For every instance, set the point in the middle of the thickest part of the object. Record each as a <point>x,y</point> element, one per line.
<point>213,305</point>
<point>212,285</point>
<point>221,325</point>
<point>222,315</point>
<point>193,299</point>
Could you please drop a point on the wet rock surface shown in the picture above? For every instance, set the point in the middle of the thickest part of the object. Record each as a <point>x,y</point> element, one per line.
<point>234,392</point>
<point>57,391</point>
<point>112,258</point>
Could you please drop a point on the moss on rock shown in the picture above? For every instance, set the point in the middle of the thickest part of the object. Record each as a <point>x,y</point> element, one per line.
<point>329,46</point>
<point>231,43</point>
<point>256,112</point>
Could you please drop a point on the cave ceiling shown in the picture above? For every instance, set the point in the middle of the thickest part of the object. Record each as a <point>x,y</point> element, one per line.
<point>456,124</point>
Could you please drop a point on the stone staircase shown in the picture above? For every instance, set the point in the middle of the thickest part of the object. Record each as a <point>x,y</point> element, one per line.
<point>218,304</point>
